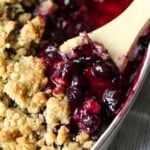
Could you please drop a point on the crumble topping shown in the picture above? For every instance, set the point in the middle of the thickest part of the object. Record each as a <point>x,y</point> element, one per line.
<point>29,120</point>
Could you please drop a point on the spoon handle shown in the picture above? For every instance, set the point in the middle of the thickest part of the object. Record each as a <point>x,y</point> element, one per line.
<point>120,35</point>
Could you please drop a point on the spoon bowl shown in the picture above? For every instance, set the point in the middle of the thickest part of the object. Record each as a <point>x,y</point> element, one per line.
<point>120,35</point>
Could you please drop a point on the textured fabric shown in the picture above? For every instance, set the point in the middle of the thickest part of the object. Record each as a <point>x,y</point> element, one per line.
<point>134,133</point>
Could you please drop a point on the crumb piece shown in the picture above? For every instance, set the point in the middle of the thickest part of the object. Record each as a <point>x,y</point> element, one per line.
<point>25,81</point>
<point>71,146</point>
<point>48,148</point>
<point>27,3</point>
<point>3,66</point>
<point>2,110</point>
<point>24,18</point>
<point>8,135</point>
<point>1,88</point>
<point>9,26</point>
<point>82,137</point>
<point>88,144</point>
<point>57,111</point>
<point>10,10</point>
<point>6,27</point>
<point>8,1</point>
<point>62,135</point>
<point>9,146</point>
<point>50,137</point>
<point>30,33</point>
<point>24,143</point>
<point>41,142</point>
<point>15,9</point>
<point>38,101</point>
<point>16,92</point>
<point>2,10</point>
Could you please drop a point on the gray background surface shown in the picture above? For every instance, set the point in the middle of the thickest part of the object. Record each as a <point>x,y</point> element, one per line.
<point>134,133</point>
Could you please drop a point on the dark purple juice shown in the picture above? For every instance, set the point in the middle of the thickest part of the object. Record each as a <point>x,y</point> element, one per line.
<point>103,11</point>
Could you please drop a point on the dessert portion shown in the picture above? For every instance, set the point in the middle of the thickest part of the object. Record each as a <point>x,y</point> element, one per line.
<point>50,100</point>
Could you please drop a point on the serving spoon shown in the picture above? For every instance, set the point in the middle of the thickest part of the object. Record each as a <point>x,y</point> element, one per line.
<point>120,35</point>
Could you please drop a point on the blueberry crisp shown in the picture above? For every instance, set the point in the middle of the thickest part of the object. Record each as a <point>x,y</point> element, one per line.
<point>50,100</point>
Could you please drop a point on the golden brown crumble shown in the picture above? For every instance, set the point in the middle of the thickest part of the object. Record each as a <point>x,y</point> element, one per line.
<point>27,116</point>
<point>29,34</point>
<point>25,80</point>
<point>57,111</point>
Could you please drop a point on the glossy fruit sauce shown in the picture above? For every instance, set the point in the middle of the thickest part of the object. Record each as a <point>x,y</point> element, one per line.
<point>93,84</point>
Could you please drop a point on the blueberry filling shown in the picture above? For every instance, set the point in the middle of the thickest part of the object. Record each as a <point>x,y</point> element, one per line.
<point>93,84</point>
<point>87,79</point>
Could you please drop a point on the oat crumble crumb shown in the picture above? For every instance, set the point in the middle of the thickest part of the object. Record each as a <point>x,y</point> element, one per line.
<point>82,137</point>
<point>62,135</point>
<point>50,137</point>
<point>57,111</point>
